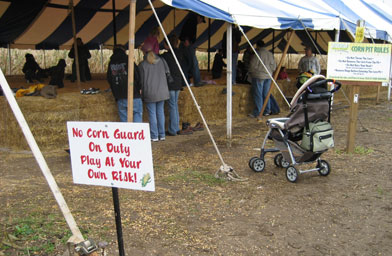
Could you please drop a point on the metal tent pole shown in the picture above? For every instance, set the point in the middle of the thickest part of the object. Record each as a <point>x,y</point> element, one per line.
<point>229,81</point>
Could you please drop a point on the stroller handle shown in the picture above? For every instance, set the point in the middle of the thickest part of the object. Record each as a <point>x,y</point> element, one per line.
<point>324,81</point>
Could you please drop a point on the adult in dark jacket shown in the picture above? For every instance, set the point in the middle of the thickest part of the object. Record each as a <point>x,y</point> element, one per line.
<point>155,91</point>
<point>188,39</point>
<point>31,69</point>
<point>236,39</point>
<point>83,56</point>
<point>175,87</point>
<point>117,76</point>
<point>56,74</point>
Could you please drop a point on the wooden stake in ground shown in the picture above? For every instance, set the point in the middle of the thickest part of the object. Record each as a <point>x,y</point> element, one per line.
<point>352,124</point>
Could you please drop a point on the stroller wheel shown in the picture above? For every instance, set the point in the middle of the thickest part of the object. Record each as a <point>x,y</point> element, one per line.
<point>284,163</point>
<point>325,169</point>
<point>250,163</point>
<point>291,174</point>
<point>278,159</point>
<point>258,165</point>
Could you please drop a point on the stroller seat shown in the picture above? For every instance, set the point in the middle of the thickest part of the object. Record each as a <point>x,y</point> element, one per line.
<point>277,122</point>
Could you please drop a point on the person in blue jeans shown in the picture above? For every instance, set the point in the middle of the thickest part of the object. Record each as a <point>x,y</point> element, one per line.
<point>117,76</point>
<point>154,90</point>
<point>175,86</point>
<point>261,80</point>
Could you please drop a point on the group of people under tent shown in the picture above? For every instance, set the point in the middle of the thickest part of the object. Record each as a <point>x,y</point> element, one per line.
<point>151,77</point>
<point>33,72</point>
<point>153,86</point>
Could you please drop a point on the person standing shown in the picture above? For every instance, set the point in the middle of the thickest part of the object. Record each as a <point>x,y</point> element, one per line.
<point>83,56</point>
<point>152,39</point>
<point>117,76</point>
<point>309,63</point>
<point>261,80</point>
<point>188,39</point>
<point>174,87</point>
<point>154,90</point>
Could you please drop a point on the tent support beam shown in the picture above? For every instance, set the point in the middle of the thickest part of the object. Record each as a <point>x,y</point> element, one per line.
<point>75,44</point>
<point>9,70</point>
<point>77,236</point>
<point>286,48</point>
<point>101,50</point>
<point>114,22</point>
<point>209,44</point>
<point>229,80</point>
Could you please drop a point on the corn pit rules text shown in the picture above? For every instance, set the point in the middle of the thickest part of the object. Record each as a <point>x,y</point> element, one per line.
<point>111,154</point>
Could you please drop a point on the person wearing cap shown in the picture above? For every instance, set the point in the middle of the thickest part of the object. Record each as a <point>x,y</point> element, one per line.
<point>309,62</point>
<point>261,80</point>
<point>188,39</point>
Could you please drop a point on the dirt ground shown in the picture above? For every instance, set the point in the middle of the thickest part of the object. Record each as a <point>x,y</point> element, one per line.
<point>348,212</point>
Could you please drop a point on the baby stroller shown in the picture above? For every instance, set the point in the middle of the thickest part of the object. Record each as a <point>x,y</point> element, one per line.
<point>305,134</point>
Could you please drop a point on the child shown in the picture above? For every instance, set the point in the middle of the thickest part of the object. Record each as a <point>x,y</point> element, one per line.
<point>152,40</point>
<point>218,65</point>
<point>283,74</point>
<point>56,74</point>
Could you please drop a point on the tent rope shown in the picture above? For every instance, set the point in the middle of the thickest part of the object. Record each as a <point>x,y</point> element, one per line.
<point>254,50</point>
<point>225,169</point>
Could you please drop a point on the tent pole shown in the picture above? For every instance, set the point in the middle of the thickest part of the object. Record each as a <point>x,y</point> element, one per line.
<point>75,45</point>
<point>229,77</point>
<point>101,50</point>
<point>77,236</point>
<point>286,48</point>
<point>131,58</point>
<point>273,41</point>
<point>209,44</point>
<point>9,59</point>
<point>337,35</point>
<point>114,22</point>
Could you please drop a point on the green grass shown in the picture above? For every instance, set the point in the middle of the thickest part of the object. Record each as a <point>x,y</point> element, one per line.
<point>362,150</point>
<point>194,176</point>
<point>37,234</point>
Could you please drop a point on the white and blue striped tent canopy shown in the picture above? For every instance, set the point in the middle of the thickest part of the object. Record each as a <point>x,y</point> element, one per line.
<point>47,24</point>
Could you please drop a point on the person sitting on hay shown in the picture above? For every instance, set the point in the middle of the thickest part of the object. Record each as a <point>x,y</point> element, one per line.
<point>31,69</point>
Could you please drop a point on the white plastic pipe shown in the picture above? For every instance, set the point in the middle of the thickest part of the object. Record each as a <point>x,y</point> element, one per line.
<point>76,234</point>
<point>229,76</point>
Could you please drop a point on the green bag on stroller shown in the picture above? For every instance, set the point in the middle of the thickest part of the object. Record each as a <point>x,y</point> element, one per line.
<point>318,138</point>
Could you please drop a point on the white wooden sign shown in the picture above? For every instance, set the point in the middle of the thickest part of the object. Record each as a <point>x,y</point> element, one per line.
<point>111,154</point>
<point>358,61</point>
